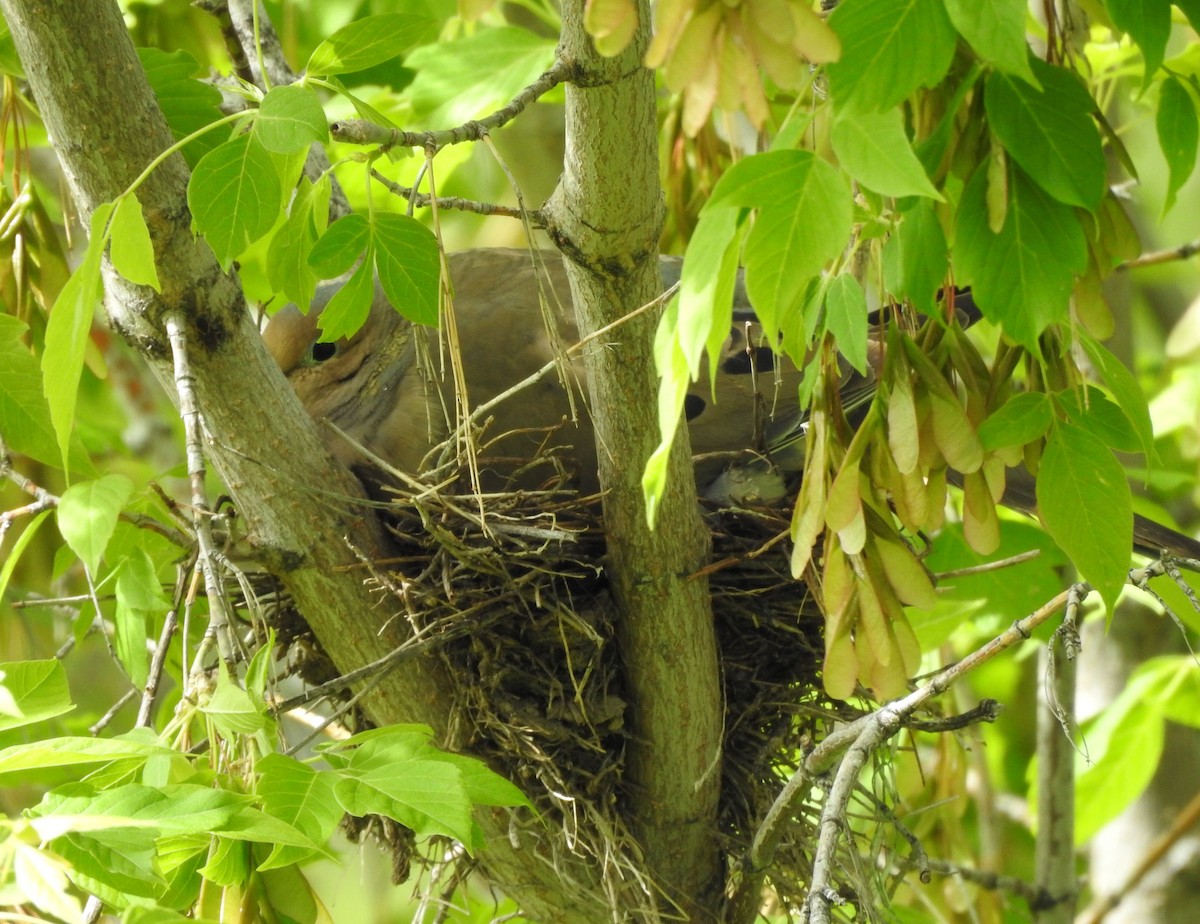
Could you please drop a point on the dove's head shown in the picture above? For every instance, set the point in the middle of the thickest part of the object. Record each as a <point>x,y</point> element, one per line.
<point>354,383</point>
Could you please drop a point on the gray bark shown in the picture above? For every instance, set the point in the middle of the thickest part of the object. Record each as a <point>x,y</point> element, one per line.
<point>299,506</point>
<point>606,216</point>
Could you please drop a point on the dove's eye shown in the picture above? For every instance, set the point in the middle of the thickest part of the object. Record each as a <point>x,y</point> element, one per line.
<point>322,351</point>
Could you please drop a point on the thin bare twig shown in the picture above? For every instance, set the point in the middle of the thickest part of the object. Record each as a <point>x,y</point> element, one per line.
<point>988,566</point>
<point>189,412</point>
<point>993,882</point>
<point>455,203</point>
<point>360,131</point>
<point>1182,252</point>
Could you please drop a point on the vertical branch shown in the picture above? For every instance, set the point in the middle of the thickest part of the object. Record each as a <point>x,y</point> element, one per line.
<point>1055,848</point>
<point>606,217</point>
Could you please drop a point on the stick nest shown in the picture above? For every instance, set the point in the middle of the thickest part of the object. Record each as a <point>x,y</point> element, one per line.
<point>517,602</point>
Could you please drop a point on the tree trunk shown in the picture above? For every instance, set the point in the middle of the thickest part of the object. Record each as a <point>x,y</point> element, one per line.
<point>106,127</point>
<point>606,216</point>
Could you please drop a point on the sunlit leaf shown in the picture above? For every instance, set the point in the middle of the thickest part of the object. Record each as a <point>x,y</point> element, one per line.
<point>67,333</point>
<point>1148,23</point>
<point>290,119</point>
<point>1084,500</point>
<point>1178,135</point>
<point>873,148</point>
<point>846,319</point>
<point>1022,276</point>
<point>340,246</point>
<point>369,41</point>
<point>470,76</point>
<point>188,102</point>
<point>32,692</point>
<point>131,251</point>
<point>803,221</point>
<point>889,49</point>
<point>1021,419</point>
<point>1125,389</point>
<point>996,30</point>
<point>409,266</point>
<point>915,258</point>
<point>235,196</point>
<point>1050,132</point>
<point>87,515</point>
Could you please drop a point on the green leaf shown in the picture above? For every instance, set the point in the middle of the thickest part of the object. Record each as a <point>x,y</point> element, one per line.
<point>470,76</point>
<point>187,101</point>
<point>1178,135</point>
<point>24,412</point>
<point>87,515</point>
<point>408,263</point>
<point>1125,389</point>
<point>483,785</point>
<point>131,251</point>
<point>995,29</point>
<point>1148,23</point>
<point>672,366</point>
<point>290,119</point>
<point>1178,676</point>
<point>40,878</point>
<point>1009,593</point>
<point>1090,408</point>
<point>348,310</point>
<point>427,796</point>
<point>1050,132</point>
<point>370,41</point>
<point>67,333</point>
<point>228,863</point>
<point>31,691</point>
<point>1021,419</point>
<point>66,752</point>
<point>1191,9</point>
<point>1021,277</point>
<point>235,196</point>
<point>889,49</point>
<point>184,808</point>
<point>1125,744</point>
<point>139,596</point>
<point>873,148</point>
<point>13,557</point>
<point>234,711</point>
<point>846,319</point>
<point>706,284</point>
<point>127,869</point>
<point>803,222</point>
<point>10,62</point>
<point>340,247</point>
<point>301,796</point>
<point>915,258</point>
<point>1084,500</point>
<point>288,269</point>
<point>289,894</point>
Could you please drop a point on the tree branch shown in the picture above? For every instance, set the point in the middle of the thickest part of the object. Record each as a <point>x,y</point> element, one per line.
<point>606,217</point>
<point>360,131</point>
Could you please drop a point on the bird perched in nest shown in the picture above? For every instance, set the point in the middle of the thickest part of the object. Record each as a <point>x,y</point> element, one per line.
<point>379,389</point>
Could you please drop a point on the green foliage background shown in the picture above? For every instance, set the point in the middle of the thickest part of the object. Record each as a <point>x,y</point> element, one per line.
<point>938,148</point>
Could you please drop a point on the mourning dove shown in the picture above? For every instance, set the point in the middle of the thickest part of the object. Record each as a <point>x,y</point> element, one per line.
<point>376,389</point>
